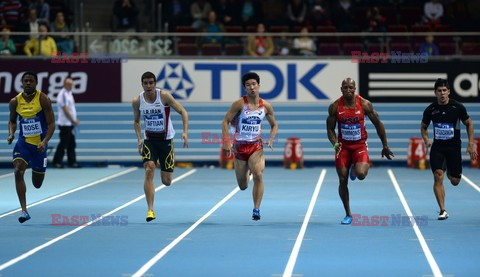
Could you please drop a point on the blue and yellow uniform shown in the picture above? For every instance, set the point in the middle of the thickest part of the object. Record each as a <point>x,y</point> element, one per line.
<point>33,129</point>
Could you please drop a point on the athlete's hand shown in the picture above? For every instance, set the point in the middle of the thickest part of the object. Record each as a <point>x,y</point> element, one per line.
<point>387,153</point>
<point>428,144</point>
<point>10,139</point>
<point>337,146</point>
<point>471,149</point>
<point>41,147</point>
<point>227,149</point>
<point>140,146</point>
<point>185,140</point>
<point>270,143</point>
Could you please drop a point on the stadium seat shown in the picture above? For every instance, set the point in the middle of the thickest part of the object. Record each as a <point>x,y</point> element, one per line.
<point>376,47</point>
<point>447,48</point>
<point>328,49</point>
<point>411,15</point>
<point>279,29</point>
<point>400,28</point>
<point>402,47</point>
<point>185,29</point>
<point>211,49</point>
<point>326,29</point>
<point>471,48</point>
<point>234,50</point>
<point>234,29</point>
<point>349,47</point>
<point>187,49</point>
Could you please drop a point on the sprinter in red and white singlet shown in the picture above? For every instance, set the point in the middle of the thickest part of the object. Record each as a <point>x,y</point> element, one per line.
<point>351,143</point>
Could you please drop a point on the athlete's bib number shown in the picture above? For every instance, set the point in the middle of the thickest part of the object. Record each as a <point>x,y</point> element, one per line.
<point>155,125</point>
<point>351,132</point>
<point>31,129</point>
<point>443,131</point>
<point>250,130</point>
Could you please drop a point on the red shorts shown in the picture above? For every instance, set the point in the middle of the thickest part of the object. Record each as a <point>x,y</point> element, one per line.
<point>243,150</point>
<point>351,153</point>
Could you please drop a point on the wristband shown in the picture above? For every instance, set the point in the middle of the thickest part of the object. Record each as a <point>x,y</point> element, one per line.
<point>336,146</point>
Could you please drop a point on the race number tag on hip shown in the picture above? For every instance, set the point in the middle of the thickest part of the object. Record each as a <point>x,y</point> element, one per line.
<point>31,129</point>
<point>351,131</point>
<point>443,131</point>
<point>155,125</point>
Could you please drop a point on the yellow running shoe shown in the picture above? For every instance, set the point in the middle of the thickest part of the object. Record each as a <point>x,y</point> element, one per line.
<point>150,216</point>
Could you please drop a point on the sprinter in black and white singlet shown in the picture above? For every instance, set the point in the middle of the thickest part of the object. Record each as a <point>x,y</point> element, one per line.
<point>154,105</point>
<point>246,115</point>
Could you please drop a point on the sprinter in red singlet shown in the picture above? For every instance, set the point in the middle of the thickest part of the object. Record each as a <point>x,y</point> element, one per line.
<point>351,143</point>
<point>246,116</point>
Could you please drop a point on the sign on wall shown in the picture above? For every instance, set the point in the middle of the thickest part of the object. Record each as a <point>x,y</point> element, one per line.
<point>220,80</point>
<point>92,82</point>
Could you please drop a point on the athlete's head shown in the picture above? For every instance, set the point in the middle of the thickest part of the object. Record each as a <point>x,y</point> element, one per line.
<point>442,90</point>
<point>68,83</point>
<point>148,81</point>
<point>29,82</point>
<point>251,82</point>
<point>348,88</point>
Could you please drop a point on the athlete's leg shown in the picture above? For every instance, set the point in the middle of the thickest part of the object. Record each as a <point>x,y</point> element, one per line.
<point>241,171</point>
<point>343,189</point>
<point>20,166</point>
<point>256,163</point>
<point>361,170</point>
<point>166,177</point>
<point>148,183</point>
<point>454,165</point>
<point>361,161</point>
<point>37,178</point>
<point>438,188</point>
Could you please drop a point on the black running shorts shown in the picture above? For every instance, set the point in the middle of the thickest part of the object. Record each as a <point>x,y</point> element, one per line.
<point>446,157</point>
<point>159,151</point>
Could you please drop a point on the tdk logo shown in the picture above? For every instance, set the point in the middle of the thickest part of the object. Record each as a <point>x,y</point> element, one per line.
<point>174,77</point>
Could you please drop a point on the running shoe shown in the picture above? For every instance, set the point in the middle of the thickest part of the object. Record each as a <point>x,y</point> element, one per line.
<point>347,220</point>
<point>24,217</point>
<point>352,174</point>
<point>150,216</point>
<point>256,214</point>
<point>443,215</point>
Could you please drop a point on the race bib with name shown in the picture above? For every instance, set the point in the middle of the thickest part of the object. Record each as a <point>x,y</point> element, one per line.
<point>31,129</point>
<point>351,132</point>
<point>155,125</point>
<point>443,131</point>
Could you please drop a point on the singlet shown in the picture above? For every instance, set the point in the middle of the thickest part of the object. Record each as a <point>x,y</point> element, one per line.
<point>351,122</point>
<point>446,121</point>
<point>33,124</point>
<point>248,123</point>
<point>156,118</point>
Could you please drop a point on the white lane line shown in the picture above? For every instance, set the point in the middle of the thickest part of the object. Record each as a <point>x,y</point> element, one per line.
<point>298,243</point>
<point>426,250</point>
<point>471,183</point>
<point>72,190</point>
<point>164,251</point>
<point>40,247</point>
<point>11,174</point>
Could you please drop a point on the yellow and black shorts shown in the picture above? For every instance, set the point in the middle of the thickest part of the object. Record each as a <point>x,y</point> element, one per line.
<point>159,151</point>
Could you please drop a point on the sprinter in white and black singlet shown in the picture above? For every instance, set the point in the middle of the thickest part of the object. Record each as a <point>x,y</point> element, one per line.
<point>445,152</point>
<point>153,106</point>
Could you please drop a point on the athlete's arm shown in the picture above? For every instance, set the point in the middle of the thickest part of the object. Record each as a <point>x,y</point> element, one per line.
<point>332,122</point>
<point>375,119</point>
<point>273,123</point>
<point>48,111</point>
<point>136,122</point>
<point>471,149</point>
<point>168,99</point>
<point>424,132</point>
<point>12,121</point>
<point>236,107</point>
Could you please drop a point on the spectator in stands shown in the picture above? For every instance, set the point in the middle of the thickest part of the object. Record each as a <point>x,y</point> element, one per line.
<point>274,12</point>
<point>67,123</point>
<point>260,45</point>
<point>176,13</point>
<point>375,21</point>
<point>228,12</point>
<point>64,42</point>
<point>429,47</point>
<point>344,11</point>
<point>43,11</point>
<point>251,12</point>
<point>213,26</point>
<point>32,24</point>
<point>433,13</point>
<point>199,10</point>
<point>7,47</point>
<point>11,13</point>
<point>125,16</point>
<point>319,14</point>
<point>297,13</point>
<point>304,45</point>
<point>43,45</point>
<point>283,45</point>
